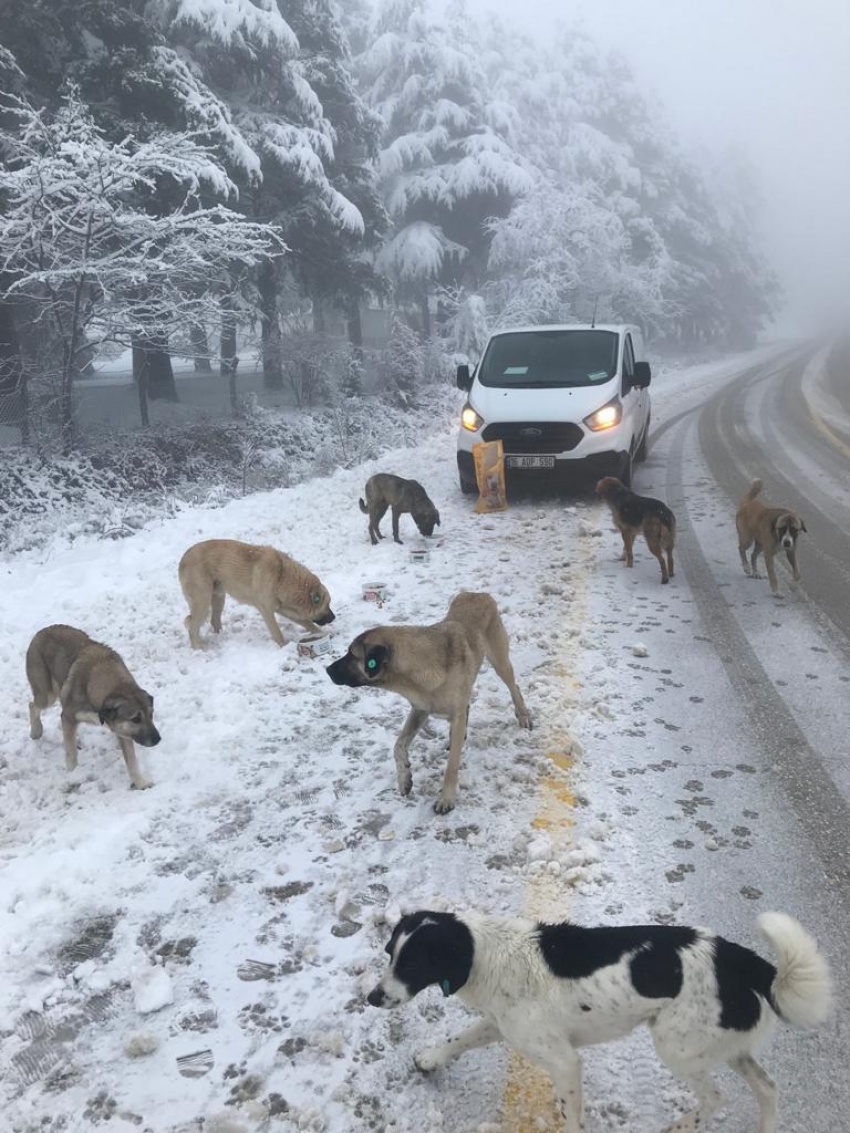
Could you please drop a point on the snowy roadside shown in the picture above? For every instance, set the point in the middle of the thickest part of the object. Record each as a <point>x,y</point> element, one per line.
<point>122,480</point>
<point>247,895</point>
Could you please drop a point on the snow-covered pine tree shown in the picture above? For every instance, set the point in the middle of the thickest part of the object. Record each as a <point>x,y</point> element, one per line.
<point>443,169</point>
<point>250,55</point>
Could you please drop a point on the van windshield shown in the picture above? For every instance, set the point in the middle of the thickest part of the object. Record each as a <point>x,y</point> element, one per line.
<point>542,358</point>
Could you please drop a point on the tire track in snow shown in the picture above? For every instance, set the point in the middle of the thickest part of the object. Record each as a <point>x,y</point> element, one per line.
<point>822,811</point>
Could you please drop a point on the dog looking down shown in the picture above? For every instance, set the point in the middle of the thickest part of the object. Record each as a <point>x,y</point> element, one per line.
<point>548,990</point>
<point>93,686</point>
<point>767,529</point>
<point>632,514</point>
<point>384,491</point>
<point>261,577</point>
<point>434,667</point>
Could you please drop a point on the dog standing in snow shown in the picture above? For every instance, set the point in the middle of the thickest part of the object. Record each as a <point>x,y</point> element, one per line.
<point>632,514</point>
<point>549,989</point>
<point>262,577</point>
<point>435,668</point>
<point>93,686</point>
<point>768,530</point>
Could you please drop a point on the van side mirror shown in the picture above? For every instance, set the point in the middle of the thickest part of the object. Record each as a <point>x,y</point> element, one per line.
<point>642,376</point>
<point>464,380</point>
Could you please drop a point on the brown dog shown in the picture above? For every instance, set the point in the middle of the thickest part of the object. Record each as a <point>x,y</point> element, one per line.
<point>632,514</point>
<point>769,529</point>
<point>261,577</point>
<point>384,491</point>
<point>94,686</point>
<point>435,668</point>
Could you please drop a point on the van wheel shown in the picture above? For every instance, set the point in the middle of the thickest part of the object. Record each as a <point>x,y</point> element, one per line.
<point>643,448</point>
<point>468,487</point>
<point>626,471</point>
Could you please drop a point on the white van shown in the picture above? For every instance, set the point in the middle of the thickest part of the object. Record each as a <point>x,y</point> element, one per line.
<point>572,398</point>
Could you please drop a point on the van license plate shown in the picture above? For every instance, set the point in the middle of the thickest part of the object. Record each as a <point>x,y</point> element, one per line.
<point>531,462</point>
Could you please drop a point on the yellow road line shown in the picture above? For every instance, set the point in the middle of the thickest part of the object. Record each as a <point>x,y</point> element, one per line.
<point>528,1104</point>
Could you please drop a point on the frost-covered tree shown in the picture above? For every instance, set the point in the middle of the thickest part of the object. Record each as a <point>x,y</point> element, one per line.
<point>81,245</point>
<point>443,169</point>
<point>280,71</point>
<point>333,261</point>
<point>620,220</point>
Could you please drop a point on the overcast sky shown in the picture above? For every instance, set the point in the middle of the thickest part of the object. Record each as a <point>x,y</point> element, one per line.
<point>770,76</point>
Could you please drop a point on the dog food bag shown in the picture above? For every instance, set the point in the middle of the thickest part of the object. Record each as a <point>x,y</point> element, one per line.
<point>489,457</point>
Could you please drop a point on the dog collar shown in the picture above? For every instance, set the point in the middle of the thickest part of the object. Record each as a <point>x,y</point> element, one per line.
<point>446,988</point>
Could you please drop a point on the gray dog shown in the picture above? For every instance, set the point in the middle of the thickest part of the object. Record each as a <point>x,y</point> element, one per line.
<point>387,491</point>
<point>94,686</point>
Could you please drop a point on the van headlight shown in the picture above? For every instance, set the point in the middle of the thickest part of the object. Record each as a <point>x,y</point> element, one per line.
<point>606,417</point>
<point>470,419</point>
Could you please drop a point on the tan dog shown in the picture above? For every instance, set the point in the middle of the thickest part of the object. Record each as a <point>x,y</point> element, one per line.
<point>768,529</point>
<point>632,514</point>
<point>385,490</point>
<point>94,686</point>
<point>434,667</point>
<point>261,577</point>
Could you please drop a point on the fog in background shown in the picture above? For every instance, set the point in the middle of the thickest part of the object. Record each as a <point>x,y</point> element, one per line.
<point>770,78</point>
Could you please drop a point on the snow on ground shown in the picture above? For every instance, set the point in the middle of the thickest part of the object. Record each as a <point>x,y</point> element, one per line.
<point>199,952</point>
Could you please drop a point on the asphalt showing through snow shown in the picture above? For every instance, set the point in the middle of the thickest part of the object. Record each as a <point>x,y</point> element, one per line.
<point>796,786</point>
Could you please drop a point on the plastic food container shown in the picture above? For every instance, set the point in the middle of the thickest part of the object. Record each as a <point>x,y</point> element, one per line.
<point>375,592</point>
<point>314,645</point>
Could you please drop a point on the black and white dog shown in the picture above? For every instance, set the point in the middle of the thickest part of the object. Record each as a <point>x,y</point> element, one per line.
<point>549,989</point>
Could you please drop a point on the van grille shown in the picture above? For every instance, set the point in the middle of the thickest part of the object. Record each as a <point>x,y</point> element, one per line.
<point>553,436</point>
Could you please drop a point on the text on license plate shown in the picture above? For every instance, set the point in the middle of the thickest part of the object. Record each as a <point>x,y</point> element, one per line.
<point>531,462</point>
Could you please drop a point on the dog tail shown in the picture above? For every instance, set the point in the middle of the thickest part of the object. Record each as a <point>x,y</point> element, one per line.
<point>802,988</point>
<point>667,518</point>
<point>754,490</point>
<point>363,507</point>
<point>662,512</point>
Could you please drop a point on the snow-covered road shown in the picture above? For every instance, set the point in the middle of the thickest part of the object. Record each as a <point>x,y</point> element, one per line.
<point>247,896</point>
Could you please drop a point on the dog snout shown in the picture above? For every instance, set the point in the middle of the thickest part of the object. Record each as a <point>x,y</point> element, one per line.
<point>377,997</point>
<point>151,738</point>
<point>340,673</point>
<point>787,542</point>
<point>329,617</point>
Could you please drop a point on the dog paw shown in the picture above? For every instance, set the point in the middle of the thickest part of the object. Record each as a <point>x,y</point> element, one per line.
<point>405,784</point>
<point>443,805</point>
<point>524,720</point>
<point>427,1061</point>
<point>141,785</point>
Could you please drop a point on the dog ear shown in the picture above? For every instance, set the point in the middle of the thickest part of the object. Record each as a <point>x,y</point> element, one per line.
<point>375,660</point>
<point>108,710</point>
<point>803,527</point>
<point>437,521</point>
<point>149,699</point>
